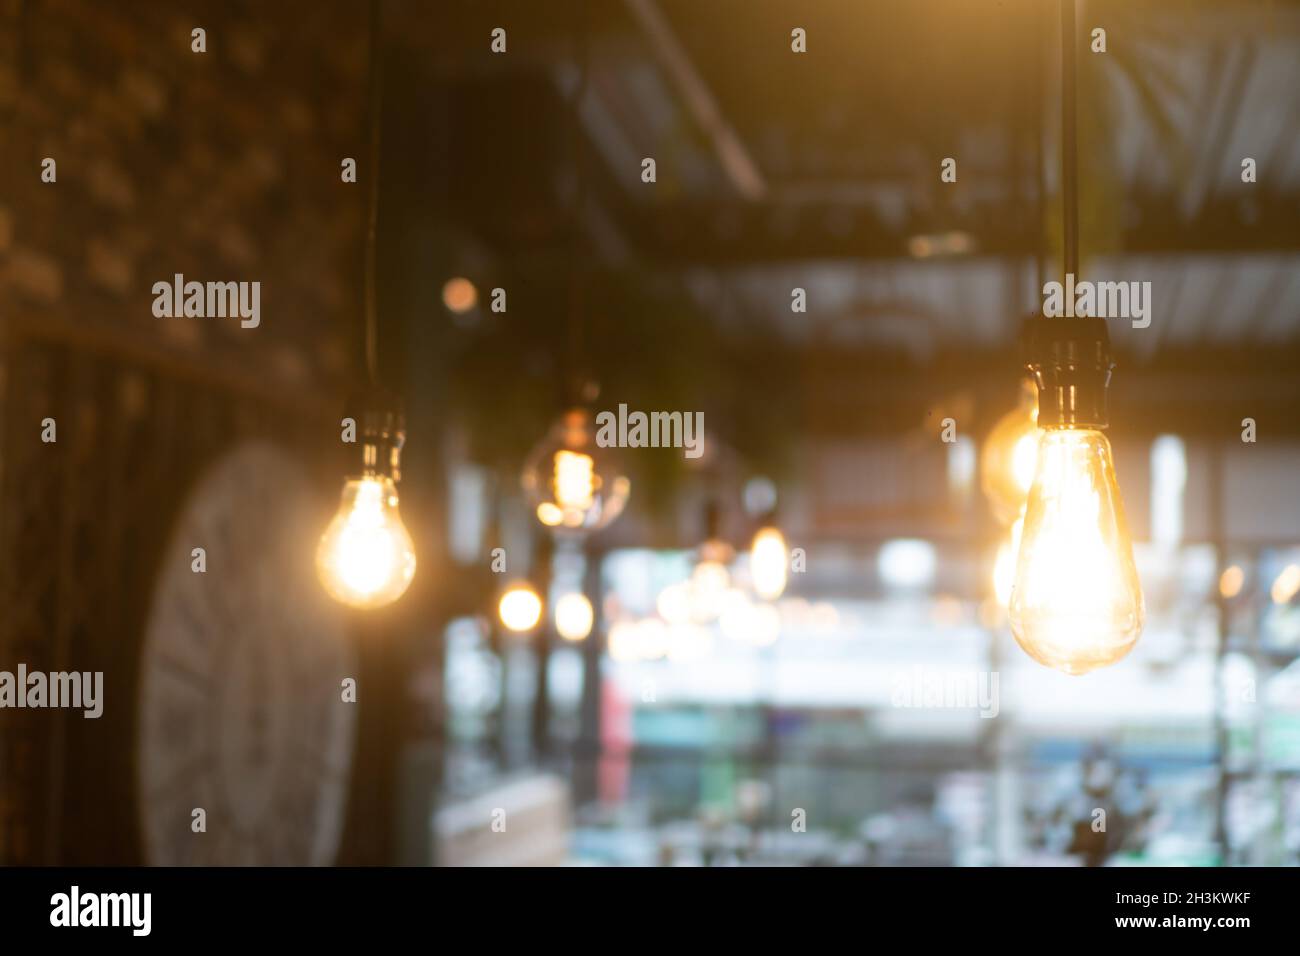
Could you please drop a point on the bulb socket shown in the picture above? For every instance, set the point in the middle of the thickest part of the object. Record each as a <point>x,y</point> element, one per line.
<point>1070,361</point>
<point>575,427</point>
<point>381,432</point>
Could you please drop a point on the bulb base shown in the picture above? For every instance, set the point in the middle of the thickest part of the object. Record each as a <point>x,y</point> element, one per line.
<point>1070,361</point>
<point>381,432</point>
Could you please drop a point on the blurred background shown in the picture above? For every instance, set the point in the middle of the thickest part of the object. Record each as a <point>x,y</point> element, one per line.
<point>846,694</point>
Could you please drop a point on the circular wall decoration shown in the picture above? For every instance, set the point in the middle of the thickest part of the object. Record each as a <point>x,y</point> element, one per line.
<point>241,714</point>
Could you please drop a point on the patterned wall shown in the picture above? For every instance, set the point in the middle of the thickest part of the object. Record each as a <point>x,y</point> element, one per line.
<point>223,166</point>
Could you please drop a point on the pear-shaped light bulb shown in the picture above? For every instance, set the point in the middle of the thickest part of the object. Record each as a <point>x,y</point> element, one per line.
<point>1076,603</point>
<point>365,558</point>
<point>571,482</point>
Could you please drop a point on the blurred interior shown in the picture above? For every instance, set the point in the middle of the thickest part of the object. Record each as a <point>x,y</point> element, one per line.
<point>798,729</point>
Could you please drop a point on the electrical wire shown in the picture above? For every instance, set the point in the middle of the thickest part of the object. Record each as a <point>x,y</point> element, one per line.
<point>372,212</point>
<point>1069,141</point>
<point>577,291</point>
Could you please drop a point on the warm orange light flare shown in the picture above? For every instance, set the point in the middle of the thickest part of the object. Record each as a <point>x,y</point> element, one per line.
<point>1231,581</point>
<point>1287,584</point>
<point>1004,568</point>
<point>1009,456</point>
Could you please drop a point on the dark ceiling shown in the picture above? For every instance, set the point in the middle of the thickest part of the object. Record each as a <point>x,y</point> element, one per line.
<point>821,170</point>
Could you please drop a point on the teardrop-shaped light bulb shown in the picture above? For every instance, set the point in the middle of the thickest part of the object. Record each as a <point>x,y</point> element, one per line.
<point>1076,603</point>
<point>365,558</point>
<point>574,484</point>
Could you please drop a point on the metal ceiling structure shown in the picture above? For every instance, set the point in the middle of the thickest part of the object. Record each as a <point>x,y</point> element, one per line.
<point>821,170</point>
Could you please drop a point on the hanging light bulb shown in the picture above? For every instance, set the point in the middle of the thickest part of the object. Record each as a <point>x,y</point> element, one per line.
<point>520,608</point>
<point>365,558</point>
<point>768,560</point>
<point>710,581</point>
<point>574,616</point>
<point>571,482</point>
<point>1076,603</point>
<point>1009,455</point>
<point>711,576</point>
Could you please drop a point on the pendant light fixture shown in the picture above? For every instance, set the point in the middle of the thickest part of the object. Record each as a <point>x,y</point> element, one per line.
<point>711,575</point>
<point>572,484</point>
<point>769,556</point>
<point>365,558</point>
<point>1076,602</point>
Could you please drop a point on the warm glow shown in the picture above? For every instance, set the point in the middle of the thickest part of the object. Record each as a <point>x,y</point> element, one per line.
<point>1010,455</point>
<point>768,560</point>
<point>709,583</point>
<point>1231,580</point>
<point>1286,585</point>
<point>520,608</point>
<point>573,616</point>
<point>365,557</point>
<point>1023,460</point>
<point>1004,567</point>
<point>575,482</point>
<point>459,295</point>
<point>572,483</point>
<point>1076,603</point>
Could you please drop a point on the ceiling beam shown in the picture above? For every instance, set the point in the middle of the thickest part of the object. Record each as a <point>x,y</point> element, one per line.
<point>699,101</point>
<point>730,233</point>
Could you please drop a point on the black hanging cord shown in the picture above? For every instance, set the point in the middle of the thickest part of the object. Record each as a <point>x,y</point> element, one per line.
<point>372,211</point>
<point>1040,165</point>
<point>576,372</point>
<point>1069,357</point>
<point>1069,142</point>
